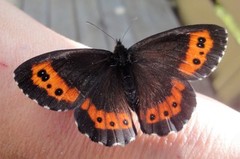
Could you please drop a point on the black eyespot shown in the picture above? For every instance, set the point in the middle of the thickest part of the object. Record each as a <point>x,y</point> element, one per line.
<point>112,123</point>
<point>125,122</point>
<point>174,104</point>
<point>201,39</point>
<point>45,77</point>
<point>99,119</point>
<point>152,116</point>
<point>200,45</point>
<point>196,61</point>
<point>49,85</point>
<point>165,113</point>
<point>41,73</point>
<point>58,92</point>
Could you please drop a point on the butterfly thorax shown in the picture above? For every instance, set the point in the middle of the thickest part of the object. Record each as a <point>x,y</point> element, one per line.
<point>122,62</point>
<point>120,55</point>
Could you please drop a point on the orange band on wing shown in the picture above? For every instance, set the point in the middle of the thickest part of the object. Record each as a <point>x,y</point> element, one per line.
<point>45,77</point>
<point>107,120</point>
<point>199,46</point>
<point>168,108</point>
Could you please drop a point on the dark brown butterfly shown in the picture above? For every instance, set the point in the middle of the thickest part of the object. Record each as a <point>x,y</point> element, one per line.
<point>150,78</point>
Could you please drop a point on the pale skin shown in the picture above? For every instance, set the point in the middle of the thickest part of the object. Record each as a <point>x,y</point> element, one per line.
<point>30,131</point>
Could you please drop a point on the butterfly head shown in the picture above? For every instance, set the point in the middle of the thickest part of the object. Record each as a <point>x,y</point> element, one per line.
<point>118,43</point>
<point>120,54</point>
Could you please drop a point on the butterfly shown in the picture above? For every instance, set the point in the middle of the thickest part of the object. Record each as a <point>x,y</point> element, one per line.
<point>104,88</point>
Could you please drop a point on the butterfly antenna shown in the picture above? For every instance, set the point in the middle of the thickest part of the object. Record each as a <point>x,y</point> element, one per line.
<point>101,30</point>
<point>128,28</point>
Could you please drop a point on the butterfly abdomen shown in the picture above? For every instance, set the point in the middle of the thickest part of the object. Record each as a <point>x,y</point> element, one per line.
<point>129,86</point>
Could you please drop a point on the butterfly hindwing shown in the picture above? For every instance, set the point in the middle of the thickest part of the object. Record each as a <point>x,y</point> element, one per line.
<point>105,115</point>
<point>192,51</point>
<point>165,103</point>
<point>58,80</point>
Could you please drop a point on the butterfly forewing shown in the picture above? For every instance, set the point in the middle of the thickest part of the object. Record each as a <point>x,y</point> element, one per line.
<point>59,80</point>
<point>189,51</point>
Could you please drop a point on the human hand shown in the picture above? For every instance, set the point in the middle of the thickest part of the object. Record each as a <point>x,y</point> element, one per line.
<point>29,131</point>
